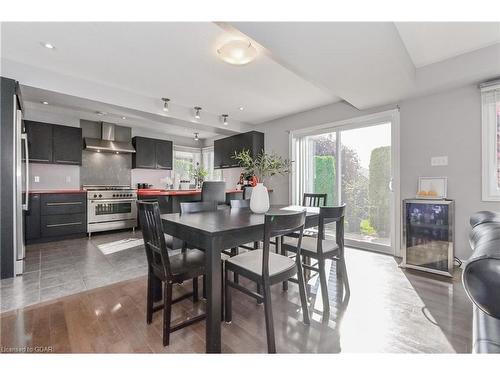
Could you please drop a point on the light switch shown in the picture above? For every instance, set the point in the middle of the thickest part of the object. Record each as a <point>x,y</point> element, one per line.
<point>439,161</point>
<point>37,178</point>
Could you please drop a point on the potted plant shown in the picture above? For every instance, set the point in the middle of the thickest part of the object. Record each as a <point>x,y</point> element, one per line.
<point>262,166</point>
<point>199,174</point>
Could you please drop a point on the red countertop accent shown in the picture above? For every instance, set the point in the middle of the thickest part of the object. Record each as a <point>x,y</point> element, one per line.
<point>148,192</point>
<point>151,192</point>
<point>58,191</point>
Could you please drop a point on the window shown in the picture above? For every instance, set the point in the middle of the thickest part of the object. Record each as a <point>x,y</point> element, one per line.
<point>490,115</point>
<point>208,163</point>
<point>185,159</point>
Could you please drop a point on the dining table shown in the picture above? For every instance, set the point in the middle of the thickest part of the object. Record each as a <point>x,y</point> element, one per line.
<point>215,231</point>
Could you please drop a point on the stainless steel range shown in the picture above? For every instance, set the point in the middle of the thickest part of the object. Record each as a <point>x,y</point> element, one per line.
<point>110,207</point>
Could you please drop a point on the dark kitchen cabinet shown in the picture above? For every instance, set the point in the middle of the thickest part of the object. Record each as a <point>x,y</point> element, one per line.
<point>164,151</point>
<point>52,217</point>
<point>54,144</point>
<point>152,153</point>
<point>32,218</point>
<point>39,141</point>
<point>225,148</point>
<point>67,145</point>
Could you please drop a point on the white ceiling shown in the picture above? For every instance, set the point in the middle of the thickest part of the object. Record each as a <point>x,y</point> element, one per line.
<point>174,60</point>
<point>125,68</point>
<point>430,42</point>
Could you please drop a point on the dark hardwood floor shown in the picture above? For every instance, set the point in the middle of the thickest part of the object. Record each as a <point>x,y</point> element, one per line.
<point>389,310</point>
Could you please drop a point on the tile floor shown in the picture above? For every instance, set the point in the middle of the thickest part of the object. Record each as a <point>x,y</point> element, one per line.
<point>61,268</point>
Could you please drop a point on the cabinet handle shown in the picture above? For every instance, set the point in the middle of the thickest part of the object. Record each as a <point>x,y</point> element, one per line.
<point>67,162</point>
<point>34,159</point>
<point>63,224</point>
<point>63,203</point>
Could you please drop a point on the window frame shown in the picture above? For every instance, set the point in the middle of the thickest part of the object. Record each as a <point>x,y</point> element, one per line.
<point>490,98</point>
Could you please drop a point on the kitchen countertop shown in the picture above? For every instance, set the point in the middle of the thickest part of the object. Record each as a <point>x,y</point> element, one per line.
<point>146,192</point>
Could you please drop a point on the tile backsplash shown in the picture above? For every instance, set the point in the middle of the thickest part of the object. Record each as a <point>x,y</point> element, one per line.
<point>150,176</point>
<point>53,176</point>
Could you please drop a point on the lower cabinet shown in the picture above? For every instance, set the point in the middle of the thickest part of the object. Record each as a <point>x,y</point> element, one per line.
<point>54,216</point>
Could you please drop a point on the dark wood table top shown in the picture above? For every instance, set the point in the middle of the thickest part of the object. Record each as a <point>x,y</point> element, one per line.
<point>226,220</point>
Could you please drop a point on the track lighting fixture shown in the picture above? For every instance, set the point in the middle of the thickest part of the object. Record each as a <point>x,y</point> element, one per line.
<point>224,119</point>
<point>197,113</point>
<point>196,137</point>
<point>165,104</point>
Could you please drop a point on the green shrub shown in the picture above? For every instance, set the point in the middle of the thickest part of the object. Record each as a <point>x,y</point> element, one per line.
<point>378,189</point>
<point>366,228</point>
<point>324,176</point>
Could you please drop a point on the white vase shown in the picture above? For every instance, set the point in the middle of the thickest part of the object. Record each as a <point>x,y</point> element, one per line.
<point>259,200</point>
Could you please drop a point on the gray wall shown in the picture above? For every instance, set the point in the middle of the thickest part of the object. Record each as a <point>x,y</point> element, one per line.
<point>444,124</point>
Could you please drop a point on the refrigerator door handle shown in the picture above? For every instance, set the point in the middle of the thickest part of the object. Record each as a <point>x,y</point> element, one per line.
<point>24,137</point>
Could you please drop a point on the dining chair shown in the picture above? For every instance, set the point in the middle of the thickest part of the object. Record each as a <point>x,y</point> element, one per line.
<point>247,192</point>
<point>169,267</point>
<point>244,203</point>
<point>321,249</point>
<point>314,199</point>
<point>195,207</point>
<point>266,268</point>
<point>213,191</point>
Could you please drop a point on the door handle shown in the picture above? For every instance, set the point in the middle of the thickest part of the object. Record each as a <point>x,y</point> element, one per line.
<point>24,138</point>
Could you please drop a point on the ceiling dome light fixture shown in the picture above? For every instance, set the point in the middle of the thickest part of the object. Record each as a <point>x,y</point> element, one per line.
<point>44,102</point>
<point>197,113</point>
<point>237,52</point>
<point>196,137</point>
<point>224,119</point>
<point>48,45</point>
<point>165,104</point>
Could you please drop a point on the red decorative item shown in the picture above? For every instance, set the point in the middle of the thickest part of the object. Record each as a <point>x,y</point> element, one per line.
<point>254,181</point>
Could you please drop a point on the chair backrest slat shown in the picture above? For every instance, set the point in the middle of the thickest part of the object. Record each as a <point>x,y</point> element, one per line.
<point>213,191</point>
<point>154,239</point>
<point>240,203</point>
<point>278,225</point>
<point>314,199</point>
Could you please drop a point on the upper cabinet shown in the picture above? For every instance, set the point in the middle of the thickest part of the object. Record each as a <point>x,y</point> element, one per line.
<point>225,148</point>
<point>54,144</point>
<point>67,144</point>
<point>152,153</point>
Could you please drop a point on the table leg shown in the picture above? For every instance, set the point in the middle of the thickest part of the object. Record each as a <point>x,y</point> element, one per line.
<point>214,285</point>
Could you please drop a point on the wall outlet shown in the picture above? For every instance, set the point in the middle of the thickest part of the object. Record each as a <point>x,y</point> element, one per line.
<point>439,161</point>
<point>68,178</point>
<point>37,178</point>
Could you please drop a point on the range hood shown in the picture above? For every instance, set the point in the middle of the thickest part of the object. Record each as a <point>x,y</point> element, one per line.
<point>107,141</point>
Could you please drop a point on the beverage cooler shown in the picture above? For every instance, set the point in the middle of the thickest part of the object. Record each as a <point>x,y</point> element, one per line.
<point>428,235</point>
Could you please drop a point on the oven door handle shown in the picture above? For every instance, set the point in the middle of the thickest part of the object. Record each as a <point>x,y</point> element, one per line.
<point>112,200</point>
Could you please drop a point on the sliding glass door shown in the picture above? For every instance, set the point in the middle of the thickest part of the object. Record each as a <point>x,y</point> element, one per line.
<point>353,163</point>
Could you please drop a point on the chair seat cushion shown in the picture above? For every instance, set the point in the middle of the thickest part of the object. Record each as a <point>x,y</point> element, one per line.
<point>251,263</point>
<point>173,243</point>
<point>188,264</point>
<point>309,246</point>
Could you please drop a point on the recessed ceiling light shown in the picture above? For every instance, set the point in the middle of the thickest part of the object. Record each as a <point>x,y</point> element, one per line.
<point>44,102</point>
<point>98,150</point>
<point>124,118</point>
<point>237,52</point>
<point>241,108</point>
<point>48,45</point>
<point>197,113</point>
